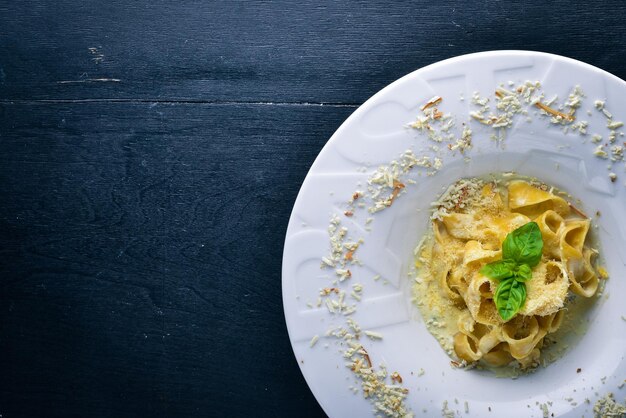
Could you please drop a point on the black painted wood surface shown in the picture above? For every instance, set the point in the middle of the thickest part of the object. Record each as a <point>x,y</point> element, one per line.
<point>150,153</point>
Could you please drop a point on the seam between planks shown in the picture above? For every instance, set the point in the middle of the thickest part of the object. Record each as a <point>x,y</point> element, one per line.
<point>173,101</point>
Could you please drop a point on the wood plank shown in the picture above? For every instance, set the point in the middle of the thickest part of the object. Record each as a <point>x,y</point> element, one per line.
<point>260,51</point>
<point>141,248</point>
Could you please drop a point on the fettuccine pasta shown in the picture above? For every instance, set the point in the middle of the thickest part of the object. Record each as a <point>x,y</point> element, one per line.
<point>468,227</point>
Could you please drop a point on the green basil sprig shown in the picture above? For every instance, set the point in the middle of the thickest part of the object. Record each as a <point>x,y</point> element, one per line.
<point>521,251</point>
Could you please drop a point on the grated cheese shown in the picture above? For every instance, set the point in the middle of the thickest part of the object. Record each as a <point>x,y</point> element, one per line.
<point>617,153</point>
<point>460,193</point>
<point>314,340</point>
<point>607,407</point>
<point>374,335</point>
<point>445,412</point>
<point>614,124</point>
<point>386,183</point>
<point>600,152</point>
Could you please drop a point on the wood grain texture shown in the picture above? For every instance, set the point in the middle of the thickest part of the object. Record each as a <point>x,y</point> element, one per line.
<point>150,154</point>
<point>141,261</point>
<point>282,51</point>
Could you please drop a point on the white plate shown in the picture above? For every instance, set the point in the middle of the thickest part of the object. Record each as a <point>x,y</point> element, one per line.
<point>375,134</point>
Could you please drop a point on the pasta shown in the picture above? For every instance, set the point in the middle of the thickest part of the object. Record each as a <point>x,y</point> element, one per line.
<point>468,234</point>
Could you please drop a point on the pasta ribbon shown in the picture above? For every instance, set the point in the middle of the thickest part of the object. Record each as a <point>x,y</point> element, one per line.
<point>586,283</point>
<point>551,322</point>
<point>463,226</point>
<point>550,224</point>
<point>479,300</point>
<point>572,237</point>
<point>466,347</point>
<point>531,201</point>
<point>499,356</point>
<point>522,334</point>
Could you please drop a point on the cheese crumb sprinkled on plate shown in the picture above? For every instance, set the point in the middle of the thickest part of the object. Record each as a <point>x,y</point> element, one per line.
<point>314,340</point>
<point>445,412</point>
<point>600,152</point>
<point>353,325</point>
<point>395,377</point>
<point>374,335</point>
<point>617,153</point>
<point>607,407</point>
<point>614,124</point>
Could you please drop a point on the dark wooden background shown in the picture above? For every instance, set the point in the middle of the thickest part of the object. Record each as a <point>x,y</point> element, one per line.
<point>150,154</point>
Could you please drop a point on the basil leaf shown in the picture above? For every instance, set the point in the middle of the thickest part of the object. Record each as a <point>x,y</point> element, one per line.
<point>524,245</point>
<point>499,270</point>
<point>510,297</point>
<point>523,273</point>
